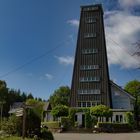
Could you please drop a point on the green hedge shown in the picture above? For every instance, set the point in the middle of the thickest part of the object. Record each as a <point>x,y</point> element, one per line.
<point>73,111</point>
<point>88,120</point>
<point>66,122</point>
<point>114,127</point>
<point>52,125</point>
<point>46,135</point>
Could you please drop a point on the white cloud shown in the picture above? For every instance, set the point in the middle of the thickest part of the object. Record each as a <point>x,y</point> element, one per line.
<point>67,60</point>
<point>73,22</point>
<point>49,76</point>
<point>129,3</point>
<point>122,30</point>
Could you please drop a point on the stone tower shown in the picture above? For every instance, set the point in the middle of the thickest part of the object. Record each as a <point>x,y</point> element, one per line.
<point>90,81</point>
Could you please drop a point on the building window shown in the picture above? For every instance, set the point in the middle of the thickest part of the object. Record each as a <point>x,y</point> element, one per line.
<point>88,103</point>
<point>83,104</point>
<point>90,20</point>
<point>89,91</point>
<point>89,35</point>
<point>90,79</point>
<point>89,51</point>
<point>116,93</point>
<point>121,118</point>
<point>89,67</point>
<point>79,104</point>
<point>90,8</point>
<point>117,118</point>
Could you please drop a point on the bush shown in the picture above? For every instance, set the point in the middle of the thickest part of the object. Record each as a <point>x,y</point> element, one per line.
<point>52,125</point>
<point>72,112</point>
<point>12,125</point>
<point>114,127</point>
<point>46,135</point>
<point>130,118</point>
<point>88,120</point>
<point>65,122</point>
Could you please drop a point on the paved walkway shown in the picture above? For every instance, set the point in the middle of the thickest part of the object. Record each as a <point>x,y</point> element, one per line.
<point>100,136</point>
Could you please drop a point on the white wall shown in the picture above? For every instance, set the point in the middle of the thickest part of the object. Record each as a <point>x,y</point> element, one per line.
<point>79,117</point>
<point>48,117</point>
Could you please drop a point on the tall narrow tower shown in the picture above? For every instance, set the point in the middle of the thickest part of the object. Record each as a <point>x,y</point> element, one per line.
<point>90,81</point>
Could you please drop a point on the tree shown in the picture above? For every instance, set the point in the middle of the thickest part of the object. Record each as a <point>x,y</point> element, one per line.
<point>30,96</point>
<point>60,110</point>
<point>60,96</point>
<point>37,106</point>
<point>33,123</point>
<point>3,98</point>
<point>133,88</point>
<point>137,52</point>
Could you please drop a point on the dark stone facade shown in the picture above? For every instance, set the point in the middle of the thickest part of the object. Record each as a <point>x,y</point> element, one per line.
<point>90,81</point>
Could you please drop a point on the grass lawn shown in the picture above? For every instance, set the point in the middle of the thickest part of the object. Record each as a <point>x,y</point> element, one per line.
<point>14,138</point>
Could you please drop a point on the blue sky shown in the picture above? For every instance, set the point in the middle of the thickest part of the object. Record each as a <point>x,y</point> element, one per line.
<point>38,41</point>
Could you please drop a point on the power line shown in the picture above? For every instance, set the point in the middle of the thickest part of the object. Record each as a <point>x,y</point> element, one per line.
<point>127,52</point>
<point>115,42</point>
<point>32,60</point>
<point>115,53</point>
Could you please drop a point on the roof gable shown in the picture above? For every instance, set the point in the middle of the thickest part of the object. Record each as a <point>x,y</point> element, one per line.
<point>122,90</point>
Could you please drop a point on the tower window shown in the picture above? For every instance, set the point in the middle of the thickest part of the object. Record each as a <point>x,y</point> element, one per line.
<point>89,67</point>
<point>89,79</point>
<point>79,104</point>
<point>84,104</point>
<point>90,20</point>
<point>88,103</point>
<point>90,8</point>
<point>89,51</point>
<point>89,91</point>
<point>89,35</point>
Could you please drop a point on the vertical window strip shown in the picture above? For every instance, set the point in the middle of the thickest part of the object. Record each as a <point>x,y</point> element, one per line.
<point>89,51</point>
<point>89,35</point>
<point>90,20</point>
<point>89,79</point>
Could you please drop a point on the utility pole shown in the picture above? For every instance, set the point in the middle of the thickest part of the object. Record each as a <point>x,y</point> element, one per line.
<point>25,107</point>
<point>1,112</point>
<point>24,122</point>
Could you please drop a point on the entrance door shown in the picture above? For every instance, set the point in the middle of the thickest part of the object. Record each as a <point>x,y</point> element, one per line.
<point>83,120</point>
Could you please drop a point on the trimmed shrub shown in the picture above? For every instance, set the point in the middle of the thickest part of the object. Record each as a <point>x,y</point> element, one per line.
<point>114,127</point>
<point>46,135</point>
<point>52,125</point>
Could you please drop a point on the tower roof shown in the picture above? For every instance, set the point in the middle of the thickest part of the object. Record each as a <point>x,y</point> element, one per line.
<point>92,7</point>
